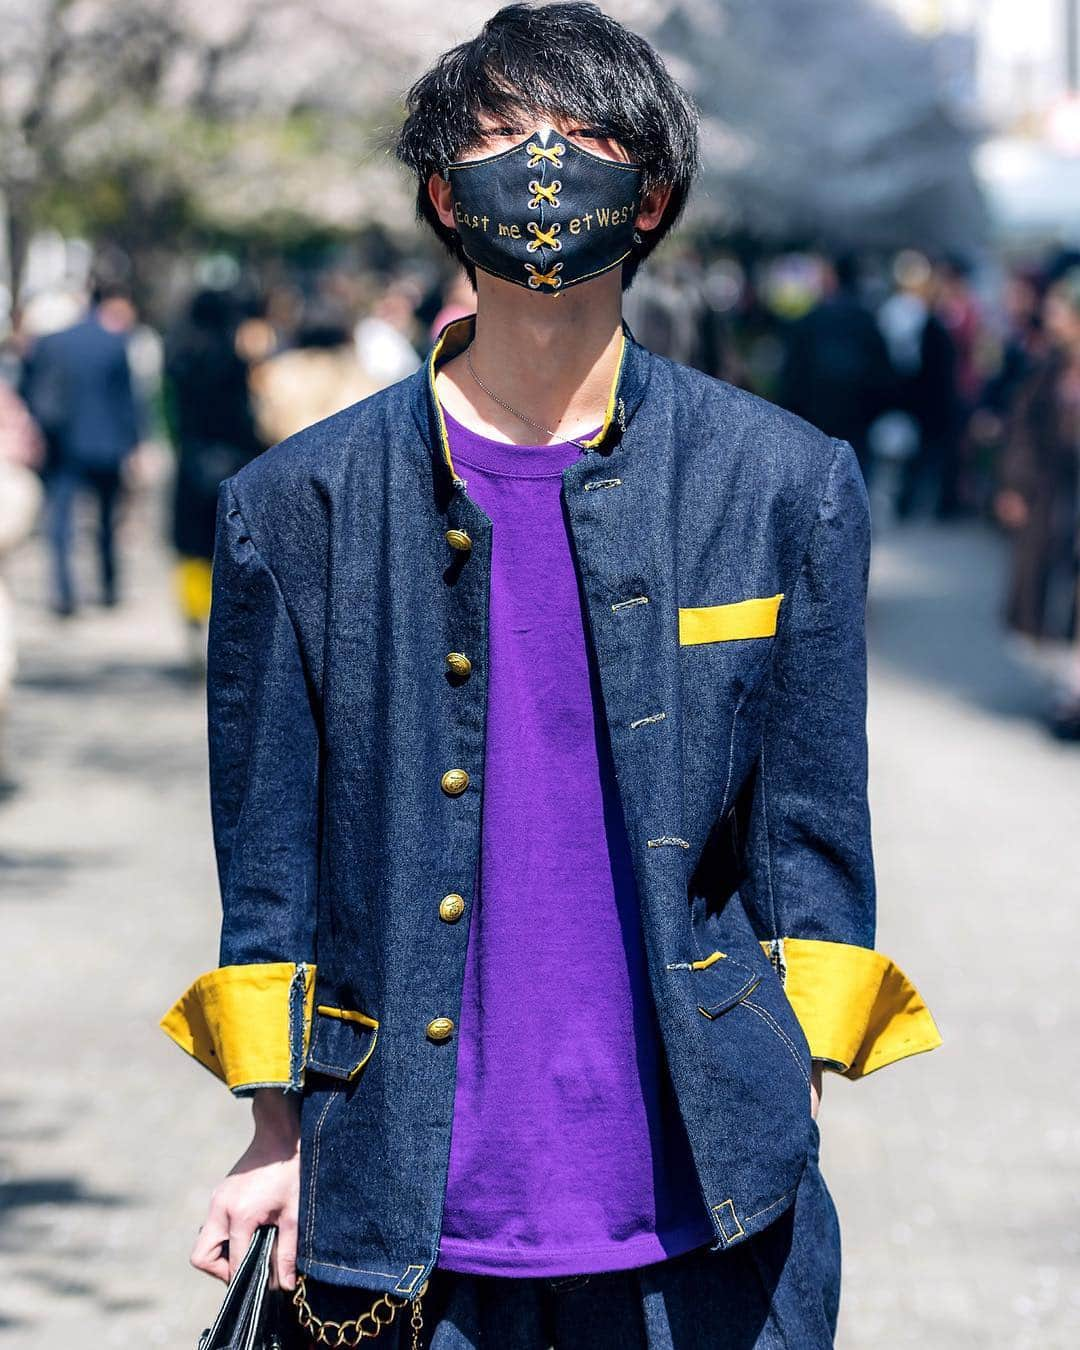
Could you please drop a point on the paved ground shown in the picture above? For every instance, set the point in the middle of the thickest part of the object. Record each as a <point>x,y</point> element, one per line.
<point>957,1174</point>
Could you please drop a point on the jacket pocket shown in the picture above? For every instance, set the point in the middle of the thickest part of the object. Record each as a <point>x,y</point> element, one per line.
<point>342,1041</point>
<point>753,618</point>
<point>718,982</point>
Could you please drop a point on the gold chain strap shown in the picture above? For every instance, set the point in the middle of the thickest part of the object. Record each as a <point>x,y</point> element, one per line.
<point>365,1327</point>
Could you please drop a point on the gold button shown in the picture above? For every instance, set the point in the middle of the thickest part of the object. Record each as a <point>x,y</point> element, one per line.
<point>454,782</point>
<point>440,1028</point>
<point>458,663</point>
<point>459,539</point>
<point>451,907</point>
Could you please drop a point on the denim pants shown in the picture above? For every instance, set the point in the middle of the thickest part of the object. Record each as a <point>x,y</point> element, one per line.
<point>62,487</point>
<point>777,1290</point>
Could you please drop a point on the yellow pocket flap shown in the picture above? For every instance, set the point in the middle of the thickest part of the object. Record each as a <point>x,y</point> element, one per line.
<point>718,623</point>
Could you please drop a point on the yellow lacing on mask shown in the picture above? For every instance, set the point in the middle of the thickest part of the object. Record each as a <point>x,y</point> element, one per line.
<point>538,153</point>
<point>544,238</point>
<point>538,278</point>
<point>547,193</point>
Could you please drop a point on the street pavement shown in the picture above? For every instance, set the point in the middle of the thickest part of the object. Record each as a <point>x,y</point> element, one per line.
<point>956,1173</point>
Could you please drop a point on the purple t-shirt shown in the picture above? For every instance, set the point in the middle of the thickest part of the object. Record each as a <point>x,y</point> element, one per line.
<point>568,1153</point>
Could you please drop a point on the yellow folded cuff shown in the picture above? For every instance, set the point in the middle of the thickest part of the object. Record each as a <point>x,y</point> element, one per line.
<point>249,1025</point>
<point>858,1010</point>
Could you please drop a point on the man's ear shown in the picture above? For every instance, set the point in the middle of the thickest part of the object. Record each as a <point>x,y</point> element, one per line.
<point>442,198</point>
<point>653,205</point>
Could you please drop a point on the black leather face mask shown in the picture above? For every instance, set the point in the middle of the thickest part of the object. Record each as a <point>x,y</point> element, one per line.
<point>545,214</point>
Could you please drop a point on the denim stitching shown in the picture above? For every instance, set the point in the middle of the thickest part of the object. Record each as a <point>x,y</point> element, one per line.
<point>250,1087</point>
<point>335,1070</point>
<point>408,1288</point>
<point>725,1004</point>
<point>771,1021</point>
<point>731,754</point>
<point>363,1270</point>
<point>768,843</point>
<point>758,1213</point>
<point>725,1204</point>
<point>561,1282</point>
<point>315,1171</point>
<point>748,988</point>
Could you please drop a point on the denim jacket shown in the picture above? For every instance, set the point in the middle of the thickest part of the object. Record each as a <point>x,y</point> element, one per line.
<point>723,549</point>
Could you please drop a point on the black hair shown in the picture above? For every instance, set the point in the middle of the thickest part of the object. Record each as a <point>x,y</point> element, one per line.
<point>323,323</point>
<point>846,267</point>
<point>109,288</point>
<point>568,60</point>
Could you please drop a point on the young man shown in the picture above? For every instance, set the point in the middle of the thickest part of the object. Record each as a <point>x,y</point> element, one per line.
<point>544,1073</point>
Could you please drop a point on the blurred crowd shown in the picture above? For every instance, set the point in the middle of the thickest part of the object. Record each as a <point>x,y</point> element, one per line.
<point>960,392</point>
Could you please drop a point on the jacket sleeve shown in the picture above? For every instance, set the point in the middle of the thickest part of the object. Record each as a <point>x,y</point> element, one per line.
<point>808,849</point>
<point>249,1020</point>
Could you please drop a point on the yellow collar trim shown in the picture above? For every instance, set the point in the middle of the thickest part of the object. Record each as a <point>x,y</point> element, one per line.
<point>455,337</point>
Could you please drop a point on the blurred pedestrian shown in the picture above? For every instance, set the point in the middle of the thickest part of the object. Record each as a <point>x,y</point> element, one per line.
<point>458,299</point>
<point>1022,346</point>
<point>666,310</point>
<point>207,404</point>
<point>958,307</point>
<point>318,376</point>
<point>924,359</point>
<point>959,310</point>
<point>79,388</point>
<point>384,337</point>
<point>1039,502</point>
<point>837,372</point>
<point>22,452</point>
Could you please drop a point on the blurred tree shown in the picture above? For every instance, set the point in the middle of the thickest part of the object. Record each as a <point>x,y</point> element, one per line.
<point>164,125</point>
<point>828,121</point>
<point>161,122</point>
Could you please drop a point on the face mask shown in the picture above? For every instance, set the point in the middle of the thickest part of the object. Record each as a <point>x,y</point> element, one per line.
<point>545,213</point>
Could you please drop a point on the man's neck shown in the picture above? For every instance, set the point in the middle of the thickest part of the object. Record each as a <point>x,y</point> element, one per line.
<point>553,360</point>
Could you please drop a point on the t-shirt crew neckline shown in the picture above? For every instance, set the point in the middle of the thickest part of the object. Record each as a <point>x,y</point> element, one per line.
<point>512,461</point>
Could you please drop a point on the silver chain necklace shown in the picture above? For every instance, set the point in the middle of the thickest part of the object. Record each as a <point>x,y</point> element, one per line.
<point>521,416</point>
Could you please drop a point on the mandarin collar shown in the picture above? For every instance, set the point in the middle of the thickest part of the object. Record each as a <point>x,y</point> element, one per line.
<point>627,390</point>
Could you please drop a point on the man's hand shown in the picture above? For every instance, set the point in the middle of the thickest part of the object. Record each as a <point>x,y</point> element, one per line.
<point>816,1069</point>
<point>263,1187</point>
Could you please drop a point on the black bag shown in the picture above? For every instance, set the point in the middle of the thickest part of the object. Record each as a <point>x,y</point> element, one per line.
<point>253,1316</point>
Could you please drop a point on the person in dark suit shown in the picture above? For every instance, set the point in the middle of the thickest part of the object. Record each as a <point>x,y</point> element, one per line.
<point>77,383</point>
<point>209,416</point>
<point>836,371</point>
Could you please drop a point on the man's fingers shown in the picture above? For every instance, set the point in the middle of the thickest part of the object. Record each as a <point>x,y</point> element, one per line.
<point>241,1230</point>
<point>207,1254</point>
<point>285,1249</point>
